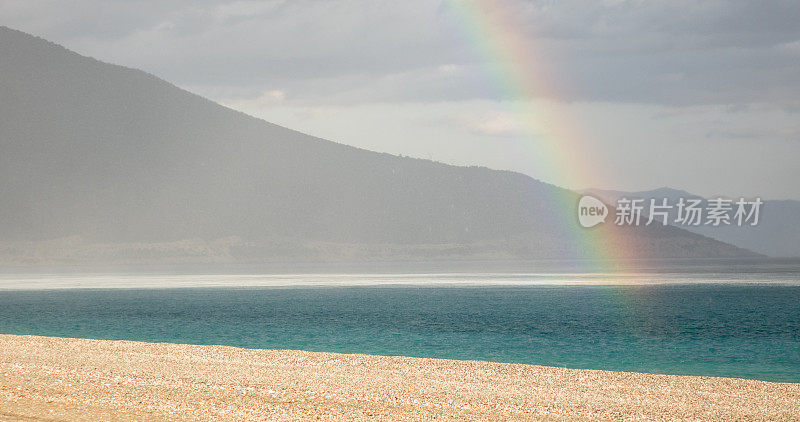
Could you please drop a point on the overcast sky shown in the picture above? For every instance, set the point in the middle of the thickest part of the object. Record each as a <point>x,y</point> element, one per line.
<point>701,96</point>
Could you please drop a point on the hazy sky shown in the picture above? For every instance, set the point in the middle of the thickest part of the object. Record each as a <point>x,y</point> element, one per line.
<point>702,96</point>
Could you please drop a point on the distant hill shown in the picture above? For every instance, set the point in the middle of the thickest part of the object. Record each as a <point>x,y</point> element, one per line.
<point>102,162</point>
<point>777,234</point>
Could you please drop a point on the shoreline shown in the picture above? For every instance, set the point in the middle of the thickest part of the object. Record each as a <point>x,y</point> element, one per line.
<point>51,378</point>
<point>102,281</point>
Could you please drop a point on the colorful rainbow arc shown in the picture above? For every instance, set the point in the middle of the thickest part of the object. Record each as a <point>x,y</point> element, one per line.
<point>520,74</point>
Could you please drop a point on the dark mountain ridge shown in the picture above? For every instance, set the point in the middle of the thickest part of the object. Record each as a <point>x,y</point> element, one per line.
<point>115,155</point>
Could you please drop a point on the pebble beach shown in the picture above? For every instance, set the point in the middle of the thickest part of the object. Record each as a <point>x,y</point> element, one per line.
<point>47,378</point>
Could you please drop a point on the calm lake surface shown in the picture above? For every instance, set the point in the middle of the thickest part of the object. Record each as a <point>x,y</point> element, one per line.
<point>709,322</point>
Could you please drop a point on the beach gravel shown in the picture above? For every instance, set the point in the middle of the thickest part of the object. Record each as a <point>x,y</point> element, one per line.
<point>46,378</point>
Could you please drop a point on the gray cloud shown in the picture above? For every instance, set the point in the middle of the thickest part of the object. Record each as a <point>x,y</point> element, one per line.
<point>673,52</point>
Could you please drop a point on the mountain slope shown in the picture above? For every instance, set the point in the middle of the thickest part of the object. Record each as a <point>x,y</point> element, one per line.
<point>116,155</point>
<point>777,233</point>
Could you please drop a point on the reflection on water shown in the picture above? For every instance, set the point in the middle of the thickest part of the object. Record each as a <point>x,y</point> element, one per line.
<point>433,274</point>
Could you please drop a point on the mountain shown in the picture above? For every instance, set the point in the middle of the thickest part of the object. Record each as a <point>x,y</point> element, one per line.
<point>100,162</point>
<point>611,196</point>
<point>777,233</point>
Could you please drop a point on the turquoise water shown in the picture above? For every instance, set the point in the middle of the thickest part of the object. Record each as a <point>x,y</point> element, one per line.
<point>734,330</point>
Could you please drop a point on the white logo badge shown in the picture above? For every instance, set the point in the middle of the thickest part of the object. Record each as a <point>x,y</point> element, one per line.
<point>591,211</point>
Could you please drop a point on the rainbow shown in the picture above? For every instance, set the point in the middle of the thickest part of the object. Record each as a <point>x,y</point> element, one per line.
<point>520,74</point>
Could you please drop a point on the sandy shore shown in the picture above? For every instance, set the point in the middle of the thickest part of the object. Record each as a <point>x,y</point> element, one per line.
<point>44,378</point>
